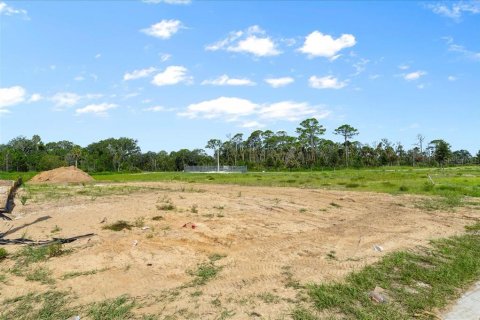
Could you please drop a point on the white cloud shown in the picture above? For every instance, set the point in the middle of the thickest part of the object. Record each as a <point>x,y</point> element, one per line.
<point>98,56</point>
<point>252,124</point>
<point>137,74</point>
<point>165,57</point>
<point>374,76</point>
<point>7,10</point>
<point>11,96</point>
<point>65,99</point>
<point>414,75</point>
<point>403,67</point>
<point>461,49</point>
<point>225,80</point>
<point>421,86</point>
<point>159,109</point>
<point>452,78</point>
<point>455,10</point>
<point>360,66</point>
<point>96,109</point>
<point>79,78</point>
<point>243,110</point>
<point>231,108</point>
<point>35,97</point>
<point>319,45</point>
<point>172,75</point>
<point>291,111</point>
<point>168,1</point>
<point>326,82</point>
<point>279,82</point>
<point>252,40</point>
<point>163,29</point>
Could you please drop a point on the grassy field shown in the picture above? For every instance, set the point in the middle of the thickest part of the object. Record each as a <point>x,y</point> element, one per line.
<point>461,181</point>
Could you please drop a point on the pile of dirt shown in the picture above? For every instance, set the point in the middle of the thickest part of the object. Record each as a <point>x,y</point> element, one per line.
<point>62,175</point>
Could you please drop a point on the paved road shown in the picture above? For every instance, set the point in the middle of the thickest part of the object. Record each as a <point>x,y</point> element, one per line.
<point>467,307</point>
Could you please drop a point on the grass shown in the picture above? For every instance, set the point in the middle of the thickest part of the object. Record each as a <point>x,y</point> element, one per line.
<point>74,274</point>
<point>115,309</point>
<point>415,282</point>
<point>50,305</point>
<point>3,254</point>
<point>30,254</point>
<point>464,181</point>
<point>206,271</point>
<point>40,274</point>
<point>118,226</point>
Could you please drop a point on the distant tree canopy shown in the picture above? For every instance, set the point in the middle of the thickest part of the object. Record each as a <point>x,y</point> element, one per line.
<point>261,150</point>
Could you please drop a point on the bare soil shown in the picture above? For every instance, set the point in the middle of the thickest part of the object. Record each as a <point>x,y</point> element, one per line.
<point>271,238</point>
<point>62,175</point>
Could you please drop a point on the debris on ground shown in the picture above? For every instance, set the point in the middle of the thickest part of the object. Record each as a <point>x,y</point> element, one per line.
<point>41,242</point>
<point>189,225</point>
<point>378,295</point>
<point>377,248</point>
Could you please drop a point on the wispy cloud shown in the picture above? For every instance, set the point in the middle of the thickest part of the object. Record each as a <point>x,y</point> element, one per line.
<point>252,41</point>
<point>64,100</point>
<point>455,10</point>
<point>8,10</point>
<point>96,109</point>
<point>137,74</point>
<point>326,82</point>
<point>279,82</point>
<point>452,46</point>
<point>164,29</point>
<point>225,80</point>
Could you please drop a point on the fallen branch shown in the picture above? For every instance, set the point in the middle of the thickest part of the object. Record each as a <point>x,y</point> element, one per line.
<point>43,242</point>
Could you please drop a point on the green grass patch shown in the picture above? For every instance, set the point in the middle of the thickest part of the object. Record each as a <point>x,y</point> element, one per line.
<point>3,254</point>
<point>74,274</point>
<point>40,274</point>
<point>114,309</point>
<point>118,226</point>
<point>414,282</point>
<point>31,254</point>
<point>204,273</point>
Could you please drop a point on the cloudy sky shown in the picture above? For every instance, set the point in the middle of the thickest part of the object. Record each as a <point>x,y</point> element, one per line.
<point>175,73</point>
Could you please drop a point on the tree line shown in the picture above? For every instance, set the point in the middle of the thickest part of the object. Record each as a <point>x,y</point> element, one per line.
<point>261,150</point>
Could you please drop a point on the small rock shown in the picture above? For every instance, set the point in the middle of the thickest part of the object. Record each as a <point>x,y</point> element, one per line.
<point>377,248</point>
<point>145,228</point>
<point>378,295</point>
<point>135,242</point>
<point>104,220</point>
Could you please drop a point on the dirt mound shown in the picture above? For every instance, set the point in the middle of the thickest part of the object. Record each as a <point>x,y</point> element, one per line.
<point>62,175</point>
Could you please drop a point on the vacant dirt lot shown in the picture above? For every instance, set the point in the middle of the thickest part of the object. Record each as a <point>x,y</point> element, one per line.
<point>265,241</point>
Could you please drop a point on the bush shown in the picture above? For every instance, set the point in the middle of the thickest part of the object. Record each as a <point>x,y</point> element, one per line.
<point>3,254</point>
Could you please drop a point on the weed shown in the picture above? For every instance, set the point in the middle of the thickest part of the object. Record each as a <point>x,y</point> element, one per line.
<point>31,254</point>
<point>302,314</point>
<point>42,275</point>
<point>336,205</point>
<point>194,209</point>
<point>158,218</point>
<point>114,309</point>
<point>473,228</point>
<point>3,254</point>
<point>139,222</point>
<point>219,207</point>
<point>56,229</point>
<point>204,273</point>
<point>197,293</point>
<point>268,297</point>
<point>302,210</point>
<point>70,275</point>
<point>332,255</point>
<point>23,200</point>
<point>216,256</point>
<point>118,226</point>
<point>403,188</point>
<point>216,302</point>
<point>352,185</point>
<point>166,207</point>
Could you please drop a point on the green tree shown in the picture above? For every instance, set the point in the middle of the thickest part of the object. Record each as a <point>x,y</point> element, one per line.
<point>347,132</point>
<point>215,144</point>
<point>309,135</point>
<point>441,151</point>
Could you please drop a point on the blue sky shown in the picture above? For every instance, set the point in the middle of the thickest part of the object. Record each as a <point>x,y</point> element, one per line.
<point>174,74</point>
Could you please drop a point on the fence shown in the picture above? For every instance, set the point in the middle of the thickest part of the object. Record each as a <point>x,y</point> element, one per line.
<point>210,169</point>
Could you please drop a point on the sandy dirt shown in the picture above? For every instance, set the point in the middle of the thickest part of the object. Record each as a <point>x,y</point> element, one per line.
<point>271,237</point>
<point>62,175</point>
